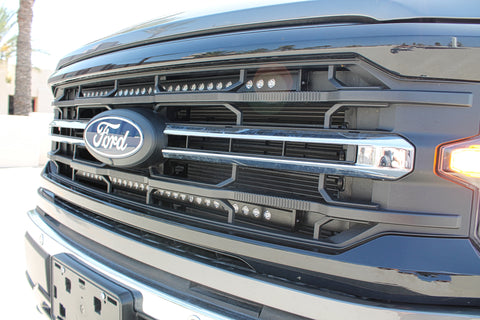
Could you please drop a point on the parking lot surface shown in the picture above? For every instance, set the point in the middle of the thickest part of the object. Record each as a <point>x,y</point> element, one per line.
<point>18,195</point>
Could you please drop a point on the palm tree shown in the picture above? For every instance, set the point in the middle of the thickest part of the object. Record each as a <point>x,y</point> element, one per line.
<point>22,100</point>
<point>7,41</point>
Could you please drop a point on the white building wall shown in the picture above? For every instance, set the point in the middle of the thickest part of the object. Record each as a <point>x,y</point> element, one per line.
<point>7,81</point>
<point>40,89</point>
<point>24,140</point>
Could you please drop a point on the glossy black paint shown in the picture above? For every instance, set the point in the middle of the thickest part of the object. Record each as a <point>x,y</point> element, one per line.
<point>376,42</point>
<point>283,14</point>
<point>418,254</point>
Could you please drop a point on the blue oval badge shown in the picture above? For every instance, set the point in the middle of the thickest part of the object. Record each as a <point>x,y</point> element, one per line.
<point>113,137</point>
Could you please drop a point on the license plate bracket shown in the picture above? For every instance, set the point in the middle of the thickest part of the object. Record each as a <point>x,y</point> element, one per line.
<point>80,293</point>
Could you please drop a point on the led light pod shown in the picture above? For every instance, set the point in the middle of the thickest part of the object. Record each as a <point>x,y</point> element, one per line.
<point>260,83</point>
<point>271,83</point>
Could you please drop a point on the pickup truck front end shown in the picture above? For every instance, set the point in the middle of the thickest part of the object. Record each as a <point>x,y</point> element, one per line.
<point>294,161</point>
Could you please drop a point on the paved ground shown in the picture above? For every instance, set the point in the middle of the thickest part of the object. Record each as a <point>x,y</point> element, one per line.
<point>18,195</point>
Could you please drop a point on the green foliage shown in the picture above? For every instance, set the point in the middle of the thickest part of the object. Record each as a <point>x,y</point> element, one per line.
<point>8,42</point>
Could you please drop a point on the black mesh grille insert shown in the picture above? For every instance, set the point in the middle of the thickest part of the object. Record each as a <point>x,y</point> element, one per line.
<point>203,172</point>
<point>283,183</point>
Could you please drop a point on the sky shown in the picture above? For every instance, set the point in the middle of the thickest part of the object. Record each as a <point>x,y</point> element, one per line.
<point>62,26</point>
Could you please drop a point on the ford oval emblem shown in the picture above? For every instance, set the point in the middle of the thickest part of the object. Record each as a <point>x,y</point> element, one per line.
<point>113,137</point>
<point>126,137</point>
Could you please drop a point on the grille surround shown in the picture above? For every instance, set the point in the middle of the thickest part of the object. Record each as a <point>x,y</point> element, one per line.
<point>239,128</point>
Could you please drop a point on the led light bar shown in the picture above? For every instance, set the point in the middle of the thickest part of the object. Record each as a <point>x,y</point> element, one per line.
<point>89,175</point>
<point>134,91</point>
<point>213,85</point>
<point>189,199</point>
<point>267,83</point>
<point>128,184</point>
<point>254,212</point>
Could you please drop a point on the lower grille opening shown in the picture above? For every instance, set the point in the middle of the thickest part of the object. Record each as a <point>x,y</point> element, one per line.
<point>210,257</point>
<point>268,222</point>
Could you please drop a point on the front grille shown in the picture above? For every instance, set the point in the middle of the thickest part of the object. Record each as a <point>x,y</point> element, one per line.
<point>259,154</point>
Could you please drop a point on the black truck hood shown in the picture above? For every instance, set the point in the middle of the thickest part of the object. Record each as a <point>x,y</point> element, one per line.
<point>282,14</point>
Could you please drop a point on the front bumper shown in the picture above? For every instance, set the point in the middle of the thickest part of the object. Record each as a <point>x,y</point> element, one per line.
<point>43,241</point>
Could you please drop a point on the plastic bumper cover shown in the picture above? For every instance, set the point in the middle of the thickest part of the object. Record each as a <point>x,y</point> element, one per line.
<point>44,242</point>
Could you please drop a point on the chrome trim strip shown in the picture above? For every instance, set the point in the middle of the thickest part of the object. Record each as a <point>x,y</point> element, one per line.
<point>156,303</point>
<point>378,156</point>
<point>355,170</point>
<point>289,135</point>
<point>64,139</point>
<point>69,124</point>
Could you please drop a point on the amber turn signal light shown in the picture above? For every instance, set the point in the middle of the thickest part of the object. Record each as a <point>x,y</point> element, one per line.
<point>466,161</point>
<point>459,161</point>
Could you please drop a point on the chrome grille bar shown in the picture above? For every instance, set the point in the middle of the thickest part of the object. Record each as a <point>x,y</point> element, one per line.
<point>375,155</point>
<point>289,135</point>
<point>372,155</point>
<point>277,163</point>
<point>69,124</point>
<point>66,139</point>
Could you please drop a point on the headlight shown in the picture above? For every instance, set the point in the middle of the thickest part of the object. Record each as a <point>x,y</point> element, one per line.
<point>459,161</point>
